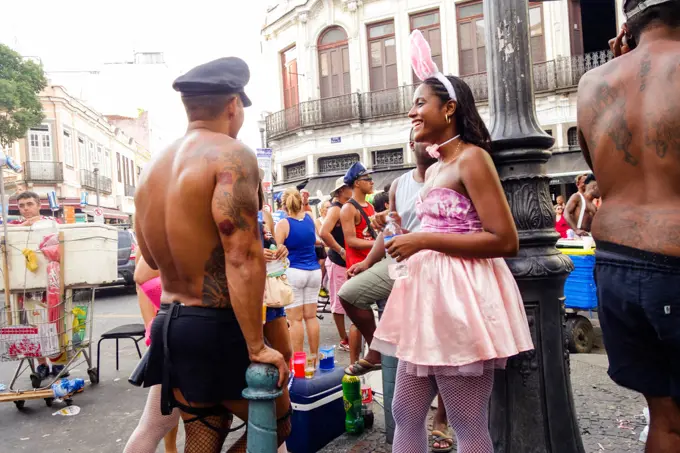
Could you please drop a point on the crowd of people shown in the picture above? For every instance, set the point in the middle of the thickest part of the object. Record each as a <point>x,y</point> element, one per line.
<point>205,309</point>
<point>459,315</point>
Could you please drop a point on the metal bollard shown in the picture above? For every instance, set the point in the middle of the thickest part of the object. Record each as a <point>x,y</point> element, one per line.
<point>261,392</point>
<point>389,378</point>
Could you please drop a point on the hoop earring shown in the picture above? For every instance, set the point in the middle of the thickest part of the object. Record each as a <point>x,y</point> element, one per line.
<point>448,119</point>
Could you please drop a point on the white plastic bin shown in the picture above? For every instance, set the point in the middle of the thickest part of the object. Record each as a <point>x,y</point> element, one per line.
<point>91,255</point>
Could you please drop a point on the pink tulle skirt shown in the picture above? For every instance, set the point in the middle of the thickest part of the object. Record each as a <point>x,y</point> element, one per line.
<point>453,316</point>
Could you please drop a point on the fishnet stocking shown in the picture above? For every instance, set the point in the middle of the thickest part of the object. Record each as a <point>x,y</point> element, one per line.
<point>203,439</point>
<point>467,405</point>
<point>466,399</point>
<point>241,444</point>
<point>283,428</point>
<point>153,425</point>
<point>411,403</point>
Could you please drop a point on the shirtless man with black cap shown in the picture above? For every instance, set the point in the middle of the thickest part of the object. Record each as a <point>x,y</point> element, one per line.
<point>629,119</point>
<point>196,222</point>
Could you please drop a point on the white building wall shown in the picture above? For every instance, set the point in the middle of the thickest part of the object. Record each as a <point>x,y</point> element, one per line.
<point>301,23</point>
<point>62,111</point>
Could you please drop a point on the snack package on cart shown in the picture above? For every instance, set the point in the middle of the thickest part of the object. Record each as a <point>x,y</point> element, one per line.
<point>49,246</point>
<point>79,324</point>
<point>18,342</point>
<point>35,313</point>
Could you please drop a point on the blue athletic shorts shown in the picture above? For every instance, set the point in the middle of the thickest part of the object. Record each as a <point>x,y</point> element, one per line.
<point>639,311</point>
<point>275,313</point>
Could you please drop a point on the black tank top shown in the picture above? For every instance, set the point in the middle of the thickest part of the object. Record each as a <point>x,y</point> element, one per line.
<point>339,237</point>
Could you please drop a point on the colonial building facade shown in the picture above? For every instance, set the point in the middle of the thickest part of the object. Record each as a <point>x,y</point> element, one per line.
<point>62,153</point>
<point>346,84</point>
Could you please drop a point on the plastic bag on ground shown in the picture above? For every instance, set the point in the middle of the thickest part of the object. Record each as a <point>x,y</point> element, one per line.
<point>645,432</point>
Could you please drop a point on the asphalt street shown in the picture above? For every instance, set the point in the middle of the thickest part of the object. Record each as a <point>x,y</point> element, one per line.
<point>610,417</point>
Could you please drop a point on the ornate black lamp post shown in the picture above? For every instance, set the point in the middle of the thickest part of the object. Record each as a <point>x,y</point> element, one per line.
<point>532,410</point>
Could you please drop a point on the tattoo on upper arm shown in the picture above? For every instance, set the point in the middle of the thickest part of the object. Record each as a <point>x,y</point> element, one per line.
<point>236,196</point>
<point>645,69</point>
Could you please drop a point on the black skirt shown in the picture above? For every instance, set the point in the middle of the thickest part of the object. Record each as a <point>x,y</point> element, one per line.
<point>207,350</point>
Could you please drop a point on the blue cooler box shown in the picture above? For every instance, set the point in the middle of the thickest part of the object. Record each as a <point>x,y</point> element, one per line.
<point>318,411</point>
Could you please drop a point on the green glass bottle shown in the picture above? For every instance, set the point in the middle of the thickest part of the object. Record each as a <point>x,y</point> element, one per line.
<point>351,396</point>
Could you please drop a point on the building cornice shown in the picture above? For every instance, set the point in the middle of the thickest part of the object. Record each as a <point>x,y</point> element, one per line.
<point>59,95</point>
<point>296,13</point>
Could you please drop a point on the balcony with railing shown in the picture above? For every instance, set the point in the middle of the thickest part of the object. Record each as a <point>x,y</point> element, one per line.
<point>556,76</point>
<point>129,190</point>
<point>88,181</point>
<point>44,172</point>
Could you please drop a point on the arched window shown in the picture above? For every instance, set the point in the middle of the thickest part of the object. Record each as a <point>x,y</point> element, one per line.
<point>333,62</point>
<point>572,138</point>
<point>333,36</point>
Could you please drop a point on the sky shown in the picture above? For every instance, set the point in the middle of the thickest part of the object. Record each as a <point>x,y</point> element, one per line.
<point>77,35</point>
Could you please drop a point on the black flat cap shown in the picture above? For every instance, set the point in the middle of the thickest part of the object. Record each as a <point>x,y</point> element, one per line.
<point>222,76</point>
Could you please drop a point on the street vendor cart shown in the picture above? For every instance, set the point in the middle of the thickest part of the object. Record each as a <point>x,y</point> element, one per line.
<point>580,293</point>
<point>49,272</point>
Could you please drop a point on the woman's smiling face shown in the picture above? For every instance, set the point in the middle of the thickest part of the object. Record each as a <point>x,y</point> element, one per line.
<point>428,115</point>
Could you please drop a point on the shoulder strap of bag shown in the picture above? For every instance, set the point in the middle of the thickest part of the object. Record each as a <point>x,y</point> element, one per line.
<point>365,216</point>
<point>583,211</point>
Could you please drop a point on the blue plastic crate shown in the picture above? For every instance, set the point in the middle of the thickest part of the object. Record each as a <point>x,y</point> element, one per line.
<point>580,290</point>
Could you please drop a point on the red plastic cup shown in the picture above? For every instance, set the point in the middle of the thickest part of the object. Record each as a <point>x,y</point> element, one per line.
<point>299,362</point>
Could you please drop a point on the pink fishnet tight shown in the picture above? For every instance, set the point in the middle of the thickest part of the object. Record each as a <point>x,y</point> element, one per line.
<point>467,406</point>
<point>153,425</point>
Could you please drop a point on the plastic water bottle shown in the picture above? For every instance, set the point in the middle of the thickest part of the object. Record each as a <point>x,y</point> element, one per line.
<point>275,268</point>
<point>351,395</point>
<point>367,406</point>
<point>65,387</point>
<point>392,229</point>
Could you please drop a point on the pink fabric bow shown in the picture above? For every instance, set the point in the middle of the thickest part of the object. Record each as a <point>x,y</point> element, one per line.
<point>433,151</point>
<point>421,57</point>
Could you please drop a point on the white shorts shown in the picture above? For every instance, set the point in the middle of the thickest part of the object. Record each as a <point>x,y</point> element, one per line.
<point>306,286</point>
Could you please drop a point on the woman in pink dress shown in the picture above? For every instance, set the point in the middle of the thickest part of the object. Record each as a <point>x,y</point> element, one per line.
<point>459,314</point>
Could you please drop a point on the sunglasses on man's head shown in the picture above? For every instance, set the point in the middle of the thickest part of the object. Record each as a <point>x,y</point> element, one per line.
<point>365,178</point>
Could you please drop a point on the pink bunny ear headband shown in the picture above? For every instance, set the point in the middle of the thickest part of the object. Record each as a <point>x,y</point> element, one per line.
<point>425,68</point>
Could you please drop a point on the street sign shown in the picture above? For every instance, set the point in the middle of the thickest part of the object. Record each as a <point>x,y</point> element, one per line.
<point>98,215</point>
<point>336,140</point>
<point>264,161</point>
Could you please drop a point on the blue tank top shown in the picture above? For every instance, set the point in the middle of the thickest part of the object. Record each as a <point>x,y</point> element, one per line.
<point>300,243</point>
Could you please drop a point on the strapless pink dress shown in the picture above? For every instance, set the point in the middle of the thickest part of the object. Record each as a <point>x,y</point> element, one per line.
<point>452,315</point>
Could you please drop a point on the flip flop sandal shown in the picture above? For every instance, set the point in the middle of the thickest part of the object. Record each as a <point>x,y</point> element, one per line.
<point>362,367</point>
<point>439,437</point>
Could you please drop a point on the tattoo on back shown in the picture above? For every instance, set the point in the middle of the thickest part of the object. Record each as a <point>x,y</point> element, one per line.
<point>661,132</point>
<point>610,105</point>
<point>215,289</point>
<point>672,70</point>
<point>645,69</point>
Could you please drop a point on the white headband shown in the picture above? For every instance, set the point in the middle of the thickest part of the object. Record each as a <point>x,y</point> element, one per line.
<point>423,65</point>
